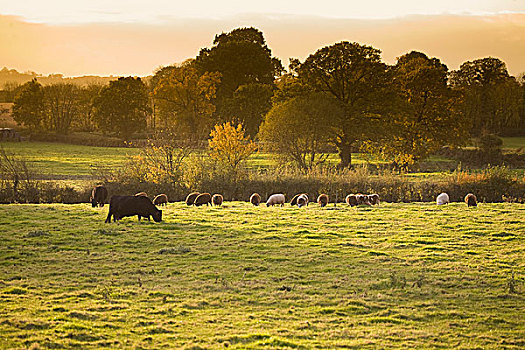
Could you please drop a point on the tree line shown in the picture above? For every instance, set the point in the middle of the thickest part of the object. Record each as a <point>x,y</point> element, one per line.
<point>341,98</point>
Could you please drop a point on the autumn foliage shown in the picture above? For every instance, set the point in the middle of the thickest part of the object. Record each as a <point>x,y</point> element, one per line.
<point>229,145</point>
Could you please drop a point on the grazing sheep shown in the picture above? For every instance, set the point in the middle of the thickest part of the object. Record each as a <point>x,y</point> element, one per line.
<point>294,199</point>
<point>276,199</point>
<point>373,199</point>
<point>471,200</point>
<point>217,199</point>
<point>203,198</point>
<point>121,206</point>
<point>98,196</point>
<point>161,199</point>
<point>322,200</point>
<point>362,199</point>
<point>143,194</point>
<point>302,200</point>
<point>351,200</point>
<point>442,199</point>
<point>190,200</point>
<point>255,199</point>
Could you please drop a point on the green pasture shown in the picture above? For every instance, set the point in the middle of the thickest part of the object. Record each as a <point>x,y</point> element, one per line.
<point>513,143</point>
<point>397,276</point>
<point>67,161</point>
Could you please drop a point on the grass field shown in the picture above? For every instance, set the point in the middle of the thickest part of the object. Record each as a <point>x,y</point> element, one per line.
<point>70,161</point>
<point>74,161</point>
<point>513,143</point>
<point>395,276</point>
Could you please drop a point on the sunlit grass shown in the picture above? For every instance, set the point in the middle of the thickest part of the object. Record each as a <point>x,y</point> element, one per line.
<point>395,276</point>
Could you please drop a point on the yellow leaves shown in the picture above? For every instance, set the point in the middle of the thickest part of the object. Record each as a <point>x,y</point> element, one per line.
<point>229,145</point>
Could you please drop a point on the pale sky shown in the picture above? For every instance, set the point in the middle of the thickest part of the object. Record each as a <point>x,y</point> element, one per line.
<point>158,11</point>
<point>123,37</point>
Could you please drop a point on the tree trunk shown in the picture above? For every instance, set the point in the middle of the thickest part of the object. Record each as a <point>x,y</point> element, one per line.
<point>345,154</point>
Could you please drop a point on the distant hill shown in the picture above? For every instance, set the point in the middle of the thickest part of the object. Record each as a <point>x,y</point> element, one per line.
<point>11,77</point>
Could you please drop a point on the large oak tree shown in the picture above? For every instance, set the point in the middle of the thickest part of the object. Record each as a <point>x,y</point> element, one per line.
<point>426,114</point>
<point>354,75</point>
<point>245,63</point>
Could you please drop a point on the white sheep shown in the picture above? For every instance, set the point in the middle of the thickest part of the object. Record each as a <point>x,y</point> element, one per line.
<point>442,199</point>
<point>276,199</point>
<point>302,200</point>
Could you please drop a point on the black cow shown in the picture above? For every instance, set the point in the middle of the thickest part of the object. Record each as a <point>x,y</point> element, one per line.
<point>98,196</point>
<point>121,206</point>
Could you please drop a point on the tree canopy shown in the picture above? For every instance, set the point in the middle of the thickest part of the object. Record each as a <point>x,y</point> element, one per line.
<point>355,76</point>
<point>300,129</point>
<point>122,107</point>
<point>426,115</point>
<point>28,106</point>
<point>183,98</point>
<point>242,58</point>
<point>492,98</point>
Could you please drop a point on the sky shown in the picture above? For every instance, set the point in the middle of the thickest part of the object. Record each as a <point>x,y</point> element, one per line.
<point>124,37</point>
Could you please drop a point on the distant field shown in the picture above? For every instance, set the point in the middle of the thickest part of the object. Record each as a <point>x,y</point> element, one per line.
<point>76,161</point>
<point>65,161</point>
<point>514,142</point>
<point>70,161</point>
<point>398,276</point>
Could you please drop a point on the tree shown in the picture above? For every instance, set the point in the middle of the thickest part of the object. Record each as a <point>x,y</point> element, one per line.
<point>60,106</point>
<point>355,76</point>
<point>427,114</point>
<point>242,58</point>
<point>183,97</point>
<point>229,145</point>
<point>491,95</point>
<point>300,129</point>
<point>85,100</point>
<point>122,107</point>
<point>162,160</point>
<point>28,105</point>
<point>249,104</point>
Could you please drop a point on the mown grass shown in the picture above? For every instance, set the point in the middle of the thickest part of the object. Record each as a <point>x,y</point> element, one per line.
<point>395,276</point>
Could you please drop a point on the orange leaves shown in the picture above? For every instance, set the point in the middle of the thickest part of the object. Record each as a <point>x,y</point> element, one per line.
<point>229,145</point>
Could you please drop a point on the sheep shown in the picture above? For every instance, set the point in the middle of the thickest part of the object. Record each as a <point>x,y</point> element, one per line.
<point>203,198</point>
<point>373,199</point>
<point>217,199</point>
<point>276,199</point>
<point>143,194</point>
<point>442,199</point>
<point>322,200</point>
<point>190,199</point>
<point>362,199</point>
<point>160,199</point>
<point>471,200</point>
<point>302,200</point>
<point>255,199</point>
<point>98,196</point>
<point>294,199</point>
<point>351,200</point>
